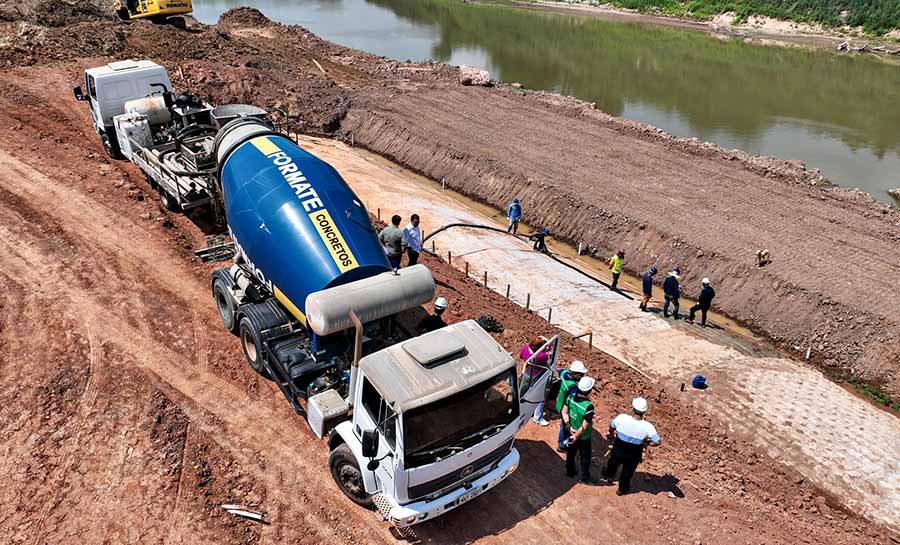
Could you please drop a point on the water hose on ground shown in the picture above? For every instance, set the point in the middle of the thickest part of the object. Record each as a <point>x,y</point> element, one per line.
<point>547,253</point>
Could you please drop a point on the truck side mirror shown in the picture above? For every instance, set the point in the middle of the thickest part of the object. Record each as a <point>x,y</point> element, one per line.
<point>79,94</point>
<point>370,443</point>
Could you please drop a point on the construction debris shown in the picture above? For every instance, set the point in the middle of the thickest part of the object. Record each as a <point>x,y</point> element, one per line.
<point>239,511</point>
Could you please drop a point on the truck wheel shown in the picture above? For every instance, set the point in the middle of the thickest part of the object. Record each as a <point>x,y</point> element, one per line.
<point>169,202</point>
<point>348,477</point>
<point>111,148</point>
<point>251,342</point>
<point>225,305</point>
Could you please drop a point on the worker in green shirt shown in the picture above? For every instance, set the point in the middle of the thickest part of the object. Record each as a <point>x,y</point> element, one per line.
<point>578,414</point>
<point>568,385</point>
<point>615,265</point>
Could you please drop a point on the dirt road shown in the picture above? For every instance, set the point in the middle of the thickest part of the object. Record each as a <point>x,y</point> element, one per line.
<point>129,416</point>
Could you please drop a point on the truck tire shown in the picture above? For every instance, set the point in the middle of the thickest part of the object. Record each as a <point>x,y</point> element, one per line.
<point>169,202</point>
<point>111,147</point>
<point>346,473</point>
<point>225,305</point>
<point>251,343</point>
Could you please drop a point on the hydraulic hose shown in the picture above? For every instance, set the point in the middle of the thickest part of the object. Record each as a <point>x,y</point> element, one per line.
<point>547,253</point>
<point>185,173</point>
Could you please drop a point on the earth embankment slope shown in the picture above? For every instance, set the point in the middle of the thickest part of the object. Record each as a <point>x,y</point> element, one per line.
<point>606,182</point>
<point>590,177</point>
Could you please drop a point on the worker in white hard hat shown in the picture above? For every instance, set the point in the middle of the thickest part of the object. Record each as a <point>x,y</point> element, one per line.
<point>433,322</point>
<point>631,433</point>
<point>578,415</point>
<point>568,385</point>
<point>704,302</point>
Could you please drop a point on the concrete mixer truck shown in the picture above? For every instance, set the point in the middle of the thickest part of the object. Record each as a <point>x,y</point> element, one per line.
<point>416,425</point>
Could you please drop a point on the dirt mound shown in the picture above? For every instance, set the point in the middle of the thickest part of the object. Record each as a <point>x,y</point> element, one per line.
<point>244,17</point>
<point>604,182</point>
<point>54,13</point>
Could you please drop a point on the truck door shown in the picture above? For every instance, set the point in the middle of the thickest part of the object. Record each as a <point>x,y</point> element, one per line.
<point>535,378</point>
<point>376,414</point>
<point>91,85</point>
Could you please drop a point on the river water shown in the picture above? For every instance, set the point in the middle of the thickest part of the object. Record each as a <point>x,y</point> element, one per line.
<point>837,113</point>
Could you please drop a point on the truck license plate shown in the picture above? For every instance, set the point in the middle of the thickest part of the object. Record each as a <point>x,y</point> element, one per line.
<point>468,496</point>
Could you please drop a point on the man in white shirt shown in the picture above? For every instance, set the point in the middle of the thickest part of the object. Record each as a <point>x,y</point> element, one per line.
<point>412,240</point>
<point>632,434</point>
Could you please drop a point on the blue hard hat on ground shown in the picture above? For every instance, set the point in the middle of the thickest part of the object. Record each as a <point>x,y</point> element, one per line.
<point>699,382</point>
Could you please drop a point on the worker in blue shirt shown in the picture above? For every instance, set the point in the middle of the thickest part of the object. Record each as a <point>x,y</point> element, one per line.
<point>647,288</point>
<point>513,214</point>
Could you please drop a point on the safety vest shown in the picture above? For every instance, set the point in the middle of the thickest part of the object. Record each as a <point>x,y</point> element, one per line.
<point>576,416</point>
<point>565,383</point>
<point>616,264</point>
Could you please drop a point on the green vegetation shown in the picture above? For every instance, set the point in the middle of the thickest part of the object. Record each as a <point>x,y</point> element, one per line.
<point>874,394</point>
<point>875,16</point>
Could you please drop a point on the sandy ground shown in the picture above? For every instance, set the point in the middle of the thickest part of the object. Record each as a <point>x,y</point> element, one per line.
<point>793,413</point>
<point>129,416</point>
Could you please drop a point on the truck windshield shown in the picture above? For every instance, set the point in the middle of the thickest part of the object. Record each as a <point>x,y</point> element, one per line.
<point>460,421</point>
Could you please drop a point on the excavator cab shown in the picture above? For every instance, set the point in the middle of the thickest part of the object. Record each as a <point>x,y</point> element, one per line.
<point>158,11</point>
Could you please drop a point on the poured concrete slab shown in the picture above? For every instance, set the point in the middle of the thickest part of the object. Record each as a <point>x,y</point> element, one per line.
<point>789,410</point>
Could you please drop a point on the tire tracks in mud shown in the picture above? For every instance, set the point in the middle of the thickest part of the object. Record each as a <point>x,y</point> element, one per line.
<point>253,432</point>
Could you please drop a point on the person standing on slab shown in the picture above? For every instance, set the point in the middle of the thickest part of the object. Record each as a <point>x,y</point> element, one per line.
<point>630,434</point>
<point>513,214</point>
<point>704,302</point>
<point>647,288</point>
<point>412,240</point>
<point>615,266</point>
<point>391,238</point>
<point>672,292</point>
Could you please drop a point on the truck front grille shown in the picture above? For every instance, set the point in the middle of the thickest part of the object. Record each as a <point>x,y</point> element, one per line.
<point>460,475</point>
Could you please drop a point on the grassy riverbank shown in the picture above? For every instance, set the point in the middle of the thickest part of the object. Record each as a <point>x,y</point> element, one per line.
<point>875,17</point>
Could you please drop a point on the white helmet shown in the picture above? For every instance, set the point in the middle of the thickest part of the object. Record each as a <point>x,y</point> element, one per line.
<point>585,384</point>
<point>705,281</point>
<point>577,366</point>
<point>440,304</point>
<point>639,404</point>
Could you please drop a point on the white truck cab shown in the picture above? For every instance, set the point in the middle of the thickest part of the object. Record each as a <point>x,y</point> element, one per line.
<point>433,424</point>
<point>107,88</point>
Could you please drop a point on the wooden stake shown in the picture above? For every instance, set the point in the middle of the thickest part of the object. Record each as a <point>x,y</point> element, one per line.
<point>449,258</point>
<point>507,291</point>
<point>528,302</point>
<point>379,213</point>
<point>550,315</point>
<point>485,283</point>
<point>432,247</point>
<point>467,269</point>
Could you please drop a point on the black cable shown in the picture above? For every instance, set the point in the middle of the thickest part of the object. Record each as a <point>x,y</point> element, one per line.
<point>548,254</point>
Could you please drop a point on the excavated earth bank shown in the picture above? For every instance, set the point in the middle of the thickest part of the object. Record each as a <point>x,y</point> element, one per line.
<point>129,415</point>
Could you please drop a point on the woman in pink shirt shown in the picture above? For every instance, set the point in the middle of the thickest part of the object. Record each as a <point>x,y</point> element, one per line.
<point>533,371</point>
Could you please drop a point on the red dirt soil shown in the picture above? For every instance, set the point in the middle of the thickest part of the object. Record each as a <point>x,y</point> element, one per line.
<point>129,414</point>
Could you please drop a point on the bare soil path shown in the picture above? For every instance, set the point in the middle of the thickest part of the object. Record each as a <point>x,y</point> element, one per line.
<point>128,414</point>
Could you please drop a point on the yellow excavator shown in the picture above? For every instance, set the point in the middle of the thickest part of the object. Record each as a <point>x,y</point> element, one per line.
<point>158,11</point>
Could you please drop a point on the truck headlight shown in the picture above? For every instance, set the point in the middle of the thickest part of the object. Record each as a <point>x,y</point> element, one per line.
<point>410,520</point>
<point>511,469</point>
